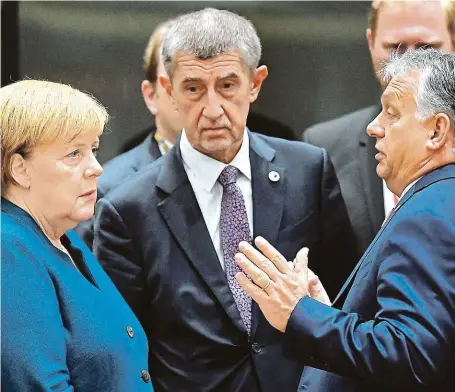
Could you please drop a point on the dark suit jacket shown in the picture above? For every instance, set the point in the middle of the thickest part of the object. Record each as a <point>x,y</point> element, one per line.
<point>396,329</point>
<point>118,170</point>
<point>152,240</point>
<point>352,152</point>
<point>63,330</point>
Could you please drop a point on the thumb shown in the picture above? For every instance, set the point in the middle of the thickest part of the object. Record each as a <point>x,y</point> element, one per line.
<point>301,262</point>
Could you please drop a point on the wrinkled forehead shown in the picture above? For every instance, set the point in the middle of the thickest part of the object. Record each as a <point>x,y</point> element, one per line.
<point>402,87</point>
<point>189,66</point>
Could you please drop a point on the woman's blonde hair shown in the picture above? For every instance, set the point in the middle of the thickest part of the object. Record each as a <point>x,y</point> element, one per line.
<point>34,112</point>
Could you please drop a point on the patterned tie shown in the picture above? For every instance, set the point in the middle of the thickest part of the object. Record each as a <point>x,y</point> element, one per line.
<point>161,142</point>
<point>234,229</point>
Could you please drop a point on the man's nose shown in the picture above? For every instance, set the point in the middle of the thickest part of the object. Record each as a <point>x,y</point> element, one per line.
<point>374,128</point>
<point>213,108</point>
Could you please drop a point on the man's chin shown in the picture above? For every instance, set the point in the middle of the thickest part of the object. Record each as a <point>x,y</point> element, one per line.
<point>218,144</point>
<point>382,171</point>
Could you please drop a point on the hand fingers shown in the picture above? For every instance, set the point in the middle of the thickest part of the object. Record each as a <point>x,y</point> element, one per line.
<point>301,261</point>
<point>312,276</point>
<point>316,289</point>
<point>251,289</point>
<point>259,259</point>
<point>272,254</point>
<point>259,277</point>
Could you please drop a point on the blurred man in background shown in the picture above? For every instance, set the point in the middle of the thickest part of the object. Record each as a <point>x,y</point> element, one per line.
<point>160,137</point>
<point>392,25</point>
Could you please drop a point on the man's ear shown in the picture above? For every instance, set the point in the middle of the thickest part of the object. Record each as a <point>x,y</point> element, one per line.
<point>440,133</point>
<point>166,84</point>
<point>370,39</point>
<point>259,75</point>
<point>149,95</point>
<point>19,170</point>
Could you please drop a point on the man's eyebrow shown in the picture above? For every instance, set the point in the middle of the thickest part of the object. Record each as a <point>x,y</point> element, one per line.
<point>190,79</point>
<point>230,75</point>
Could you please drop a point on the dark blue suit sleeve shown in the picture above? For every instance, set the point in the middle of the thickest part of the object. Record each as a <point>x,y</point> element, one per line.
<point>412,335</point>
<point>336,253</point>
<point>116,252</point>
<point>33,335</point>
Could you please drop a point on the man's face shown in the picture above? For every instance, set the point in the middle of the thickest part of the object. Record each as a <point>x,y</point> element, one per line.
<point>167,119</point>
<point>408,25</point>
<point>213,97</point>
<point>400,137</point>
<point>166,116</point>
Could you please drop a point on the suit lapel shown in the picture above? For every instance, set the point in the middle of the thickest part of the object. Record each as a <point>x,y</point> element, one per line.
<point>350,280</point>
<point>372,184</point>
<point>183,216</point>
<point>268,199</point>
<point>441,173</point>
<point>154,149</point>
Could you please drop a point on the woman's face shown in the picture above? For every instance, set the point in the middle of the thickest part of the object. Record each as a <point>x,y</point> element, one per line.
<point>63,178</point>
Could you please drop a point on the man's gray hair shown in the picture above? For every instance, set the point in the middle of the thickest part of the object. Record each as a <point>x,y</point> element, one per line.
<point>436,91</point>
<point>209,33</point>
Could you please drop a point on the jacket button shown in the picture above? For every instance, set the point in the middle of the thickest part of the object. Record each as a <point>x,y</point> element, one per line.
<point>130,331</point>
<point>145,376</point>
<point>256,348</point>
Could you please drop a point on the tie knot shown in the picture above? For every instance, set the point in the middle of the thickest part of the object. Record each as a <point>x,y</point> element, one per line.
<point>228,176</point>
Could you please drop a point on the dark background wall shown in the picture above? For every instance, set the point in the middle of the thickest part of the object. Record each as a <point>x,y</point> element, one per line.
<point>317,55</point>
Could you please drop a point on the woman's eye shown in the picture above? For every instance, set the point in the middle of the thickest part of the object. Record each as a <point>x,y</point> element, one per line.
<point>74,154</point>
<point>95,150</point>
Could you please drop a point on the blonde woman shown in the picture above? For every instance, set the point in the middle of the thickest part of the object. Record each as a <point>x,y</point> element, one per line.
<point>65,326</point>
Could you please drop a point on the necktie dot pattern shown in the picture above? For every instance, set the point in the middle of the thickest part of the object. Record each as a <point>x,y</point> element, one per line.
<point>234,228</point>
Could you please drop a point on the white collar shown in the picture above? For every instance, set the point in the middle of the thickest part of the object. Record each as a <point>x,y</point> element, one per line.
<point>408,187</point>
<point>206,169</point>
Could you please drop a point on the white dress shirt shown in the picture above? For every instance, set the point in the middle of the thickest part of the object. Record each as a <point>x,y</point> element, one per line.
<point>389,197</point>
<point>203,173</point>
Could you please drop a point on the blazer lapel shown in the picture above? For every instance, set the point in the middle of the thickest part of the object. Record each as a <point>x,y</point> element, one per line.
<point>154,149</point>
<point>372,184</point>
<point>351,277</point>
<point>184,218</point>
<point>439,174</point>
<point>268,198</point>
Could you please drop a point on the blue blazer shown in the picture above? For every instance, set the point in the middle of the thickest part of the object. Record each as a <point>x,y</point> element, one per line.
<point>118,170</point>
<point>396,329</point>
<point>63,330</point>
<point>151,238</point>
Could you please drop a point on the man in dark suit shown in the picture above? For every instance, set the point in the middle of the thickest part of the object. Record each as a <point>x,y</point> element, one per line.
<point>396,328</point>
<point>168,235</point>
<point>392,25</point>
<point>159,138</point>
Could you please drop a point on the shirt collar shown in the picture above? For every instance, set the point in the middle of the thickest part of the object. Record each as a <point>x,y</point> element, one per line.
<point>206,169</point>
<point>408,187</point>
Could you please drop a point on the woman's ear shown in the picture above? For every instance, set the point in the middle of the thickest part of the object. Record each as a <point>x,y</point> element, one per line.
<point>19,170</point>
